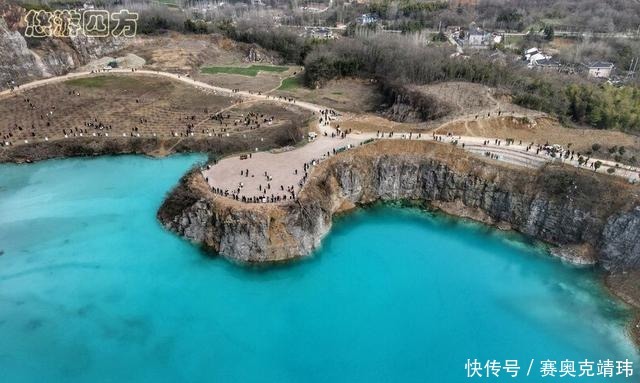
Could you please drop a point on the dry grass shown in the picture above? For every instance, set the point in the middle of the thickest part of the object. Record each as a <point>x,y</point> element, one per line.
<point>464,97</point>
<point>131,104</point>
<point>347,95</point>
<point>180,53</point>
<point>467,101</point>
<point>175,52</point>
<point>262,82</point>
<point>374,123</point>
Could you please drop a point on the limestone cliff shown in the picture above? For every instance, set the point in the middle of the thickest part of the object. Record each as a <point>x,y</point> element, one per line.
<point>574,209</point>
<point>23,61</point>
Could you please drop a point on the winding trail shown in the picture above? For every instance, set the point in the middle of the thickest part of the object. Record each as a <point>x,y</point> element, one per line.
<point>281,172</point>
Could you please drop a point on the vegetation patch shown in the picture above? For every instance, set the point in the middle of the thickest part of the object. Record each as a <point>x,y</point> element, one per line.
<point>290,83</point>
<point>395,59</point>
<point>121,82</point>
<point>605,107</point>
<point>251,70</point>
<point>168,2</point>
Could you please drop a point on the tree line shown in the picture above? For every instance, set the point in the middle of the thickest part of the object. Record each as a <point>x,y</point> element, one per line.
<point>393,60</point>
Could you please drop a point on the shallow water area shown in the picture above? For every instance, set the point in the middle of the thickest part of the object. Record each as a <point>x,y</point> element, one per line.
<point>93,289</point>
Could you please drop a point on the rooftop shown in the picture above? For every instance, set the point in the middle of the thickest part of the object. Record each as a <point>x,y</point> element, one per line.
<point>600,64</point>
<point>547,62</point>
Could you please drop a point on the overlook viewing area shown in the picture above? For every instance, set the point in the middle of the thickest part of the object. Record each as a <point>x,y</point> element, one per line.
<point>160,104</point>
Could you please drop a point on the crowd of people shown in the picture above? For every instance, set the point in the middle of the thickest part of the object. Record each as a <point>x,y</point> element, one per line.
<point>38,120</point>
<point>264,193</point>
<point>404,136</point>
<point>269,191</point>
<point>549,151</point>
<point>19,131</point>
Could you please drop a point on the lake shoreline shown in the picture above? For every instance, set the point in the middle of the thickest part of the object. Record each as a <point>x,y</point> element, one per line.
<point>582,256</point>
<point>621,287</point>
<point>593,226</point>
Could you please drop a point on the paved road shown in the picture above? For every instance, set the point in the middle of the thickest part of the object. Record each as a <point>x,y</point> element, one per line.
<point>285,169</point>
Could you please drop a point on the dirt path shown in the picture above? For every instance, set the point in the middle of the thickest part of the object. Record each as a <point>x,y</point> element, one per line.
<point>265,176</point>
<point>523,155</point>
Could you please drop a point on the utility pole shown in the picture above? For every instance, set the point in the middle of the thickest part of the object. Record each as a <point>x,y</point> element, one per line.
<point>633,67</point>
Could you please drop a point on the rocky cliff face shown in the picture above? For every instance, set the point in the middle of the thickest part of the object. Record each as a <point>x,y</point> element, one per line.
<point>620,239</point>
<point>246,233</point>
<point>570,208</point>
<point>44,57</point>
<point>18,62</point>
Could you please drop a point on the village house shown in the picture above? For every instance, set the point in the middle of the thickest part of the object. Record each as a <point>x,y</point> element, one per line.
<point>536,59</point>
<point>366,19</point>
<point>600,69</point>
<point>530,52</point>
<point>477,38</point>
<point>318,33</point>
<point>546,64</point>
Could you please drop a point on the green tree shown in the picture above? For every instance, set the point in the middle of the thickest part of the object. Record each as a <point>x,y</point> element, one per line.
<point>597,165</point>
<point>549,33</point>
<point>440,36</point>
<point>509,19</point>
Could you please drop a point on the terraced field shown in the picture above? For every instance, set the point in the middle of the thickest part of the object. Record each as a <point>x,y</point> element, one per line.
<point>135,106</point>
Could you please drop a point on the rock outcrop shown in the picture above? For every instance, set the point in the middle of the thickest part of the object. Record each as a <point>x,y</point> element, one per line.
<point>620,239</point>
<point>22,61</point>
<point>567,207</point>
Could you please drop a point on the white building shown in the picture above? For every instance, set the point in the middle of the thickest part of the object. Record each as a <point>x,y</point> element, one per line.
<point>478,38</point>
<point>530,52</point>
<point>548,64</point>
<point>538,60</point>
<point>600,69</point>
<point>366,19</point>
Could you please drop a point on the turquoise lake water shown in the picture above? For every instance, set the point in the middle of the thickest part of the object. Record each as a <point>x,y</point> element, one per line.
<point>92,289</point>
